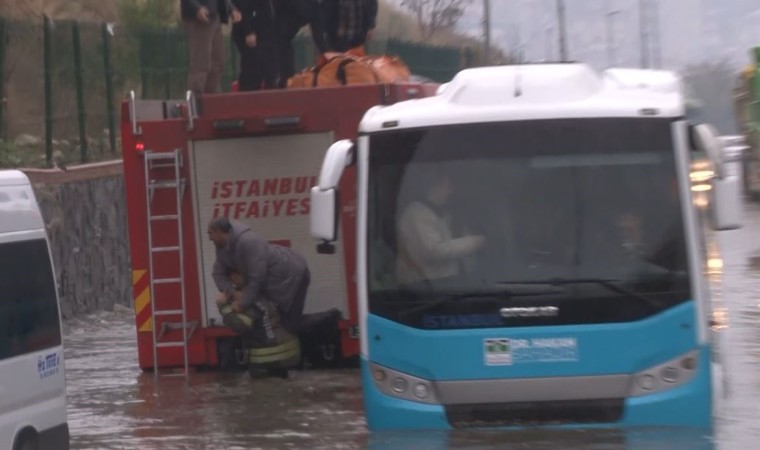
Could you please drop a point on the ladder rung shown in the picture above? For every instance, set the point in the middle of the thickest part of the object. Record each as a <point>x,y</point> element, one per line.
<point>165,249</point>
<point>179,325</point>
<point>171,344</point>
<point>162,184</point>
<point>165,217</point>
<point>168,312</point>
<point>160,156</point>
<point>162,166</point>
<point>167,280</point>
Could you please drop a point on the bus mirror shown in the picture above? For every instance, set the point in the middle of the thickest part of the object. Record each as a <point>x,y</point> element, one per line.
<point>339,156</point>
<point>324,214</point>
<point>707,140</point>
<point>726,203</point>
<point>324,196</point>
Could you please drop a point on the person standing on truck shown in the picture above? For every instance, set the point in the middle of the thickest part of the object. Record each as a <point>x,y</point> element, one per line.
<point>255,37</point>
<point>202,21</point>
<point>269,272</point>
<point>348,23</point>
<point>427,249</point>
<point>291,16</point>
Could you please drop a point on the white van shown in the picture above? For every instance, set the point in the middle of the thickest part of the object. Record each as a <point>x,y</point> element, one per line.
<point>32,380</point>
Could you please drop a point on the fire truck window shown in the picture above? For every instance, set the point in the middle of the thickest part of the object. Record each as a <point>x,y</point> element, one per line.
<point>29,319</point>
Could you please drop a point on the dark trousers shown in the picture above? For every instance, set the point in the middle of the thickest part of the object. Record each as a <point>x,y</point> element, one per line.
<point>287,61</point>
<point>291,319</point>
<point>258,65</point>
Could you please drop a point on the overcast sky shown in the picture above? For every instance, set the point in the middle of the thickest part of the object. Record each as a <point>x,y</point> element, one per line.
<point>691,31</point>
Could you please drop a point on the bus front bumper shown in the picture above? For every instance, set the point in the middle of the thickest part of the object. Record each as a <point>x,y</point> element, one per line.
<point>687,405</point>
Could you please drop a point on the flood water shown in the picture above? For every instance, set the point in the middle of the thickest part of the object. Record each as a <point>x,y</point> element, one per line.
<point>113,405</point>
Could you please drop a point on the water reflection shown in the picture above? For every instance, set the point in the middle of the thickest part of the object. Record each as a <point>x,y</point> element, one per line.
<point>650,439</point>
<point>113,405</point>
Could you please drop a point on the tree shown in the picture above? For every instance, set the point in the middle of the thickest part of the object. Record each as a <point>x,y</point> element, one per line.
<point>709,88</point>
<point>435,15</point>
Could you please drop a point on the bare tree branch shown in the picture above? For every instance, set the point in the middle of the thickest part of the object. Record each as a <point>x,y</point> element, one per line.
<point>435,15</point>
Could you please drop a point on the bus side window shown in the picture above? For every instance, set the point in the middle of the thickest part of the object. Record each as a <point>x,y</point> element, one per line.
<point>382,231</point>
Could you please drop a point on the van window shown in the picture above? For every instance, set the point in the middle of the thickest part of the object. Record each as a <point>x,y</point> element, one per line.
<point>29,319</point>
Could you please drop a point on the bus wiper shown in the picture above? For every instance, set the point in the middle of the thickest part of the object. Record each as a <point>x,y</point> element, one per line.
<point>503,294</point>
<point>609,284</point>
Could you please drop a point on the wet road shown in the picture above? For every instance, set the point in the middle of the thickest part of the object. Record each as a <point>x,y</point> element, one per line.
<point>113,405</point>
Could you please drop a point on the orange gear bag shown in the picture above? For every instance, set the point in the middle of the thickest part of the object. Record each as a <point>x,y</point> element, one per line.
<point>352,67</point>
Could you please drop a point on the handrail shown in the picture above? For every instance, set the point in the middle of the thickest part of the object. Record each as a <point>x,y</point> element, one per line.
<point>136,129</point>
<point>192,110</point>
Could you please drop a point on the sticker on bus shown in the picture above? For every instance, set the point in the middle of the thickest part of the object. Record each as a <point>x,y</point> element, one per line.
<point>48,365</point>
<point>505,352</point>
<point>497,352</point>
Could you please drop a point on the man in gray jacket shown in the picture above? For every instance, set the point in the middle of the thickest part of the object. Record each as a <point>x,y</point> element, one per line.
<point>269,272</point>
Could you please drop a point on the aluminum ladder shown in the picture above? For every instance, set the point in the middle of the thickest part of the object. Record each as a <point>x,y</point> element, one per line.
<point>167,160</point>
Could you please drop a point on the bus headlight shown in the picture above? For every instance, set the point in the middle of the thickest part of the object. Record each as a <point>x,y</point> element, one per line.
<point>378,375</point>
<point>701,175</point>
<point>667,375</point>
<point>401,385</point>
<point>646,382</point>
<point>689,363</point>
<point>420,390</point>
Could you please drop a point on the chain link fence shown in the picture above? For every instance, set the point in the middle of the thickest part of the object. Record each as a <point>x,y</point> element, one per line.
<point>62,81</point>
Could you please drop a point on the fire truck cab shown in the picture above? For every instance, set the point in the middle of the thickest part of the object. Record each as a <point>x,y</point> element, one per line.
<point>250,156</point>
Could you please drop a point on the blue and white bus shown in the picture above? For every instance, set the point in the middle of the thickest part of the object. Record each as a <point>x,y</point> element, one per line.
<point>530,252</point>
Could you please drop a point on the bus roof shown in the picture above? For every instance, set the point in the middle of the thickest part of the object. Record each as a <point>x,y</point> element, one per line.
<point>537,91</point>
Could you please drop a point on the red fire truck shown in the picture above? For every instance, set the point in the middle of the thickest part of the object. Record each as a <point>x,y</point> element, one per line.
<point>251,156</point>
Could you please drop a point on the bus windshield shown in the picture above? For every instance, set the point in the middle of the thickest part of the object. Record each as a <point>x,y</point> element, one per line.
<point>546,222</point>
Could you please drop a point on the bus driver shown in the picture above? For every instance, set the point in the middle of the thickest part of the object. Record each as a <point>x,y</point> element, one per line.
<point>427,249</point>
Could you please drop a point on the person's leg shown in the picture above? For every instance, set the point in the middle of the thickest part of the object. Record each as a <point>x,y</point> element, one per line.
<point>216,58</point>
<point>292,319</point>
<point>254,71</point>
<point>239,41</point>
<point>287,61</point>
<point>281,350</point>
<point>270,63</point>
<point>198,37</point>
<point>250,77</point>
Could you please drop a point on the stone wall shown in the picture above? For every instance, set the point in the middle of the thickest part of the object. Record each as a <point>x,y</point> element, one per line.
<point>84,208</point>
